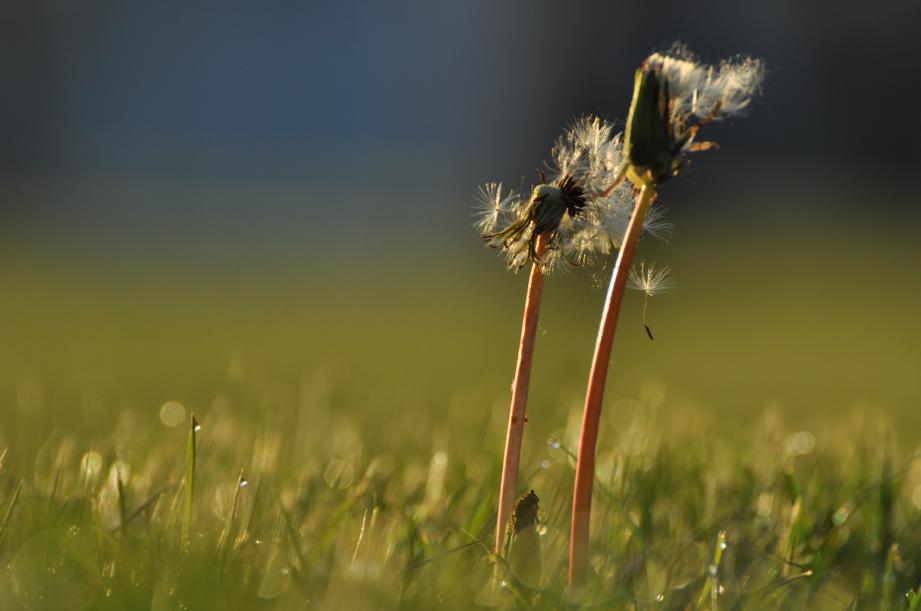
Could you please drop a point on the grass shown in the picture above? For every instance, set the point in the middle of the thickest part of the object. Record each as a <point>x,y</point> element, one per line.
<point>372,480</point>
<point>188,494</point>
<point>682,518</point>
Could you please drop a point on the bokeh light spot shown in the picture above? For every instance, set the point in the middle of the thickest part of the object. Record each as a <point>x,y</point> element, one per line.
<point>172,413</point>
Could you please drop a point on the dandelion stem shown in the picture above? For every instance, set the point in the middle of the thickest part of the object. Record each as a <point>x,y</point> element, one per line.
<point>518,409</point>
<point>585,462</point>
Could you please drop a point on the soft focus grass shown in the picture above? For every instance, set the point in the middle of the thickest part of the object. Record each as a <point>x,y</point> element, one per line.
<point>776,405</point>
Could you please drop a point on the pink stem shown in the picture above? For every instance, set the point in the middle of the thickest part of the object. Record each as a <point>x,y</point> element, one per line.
<point>518,410</point>
<point>585,463</point>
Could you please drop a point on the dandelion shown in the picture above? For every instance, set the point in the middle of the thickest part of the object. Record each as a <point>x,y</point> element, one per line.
<point>674,96</point>
<point>570,217</point>
<point>575,209</point>
<point>652,281</point>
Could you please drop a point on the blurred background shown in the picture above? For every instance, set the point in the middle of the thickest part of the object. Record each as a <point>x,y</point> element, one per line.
<point>194,194</point>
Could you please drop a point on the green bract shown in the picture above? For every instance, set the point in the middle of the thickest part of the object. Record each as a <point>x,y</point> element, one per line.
<point>649,143</point>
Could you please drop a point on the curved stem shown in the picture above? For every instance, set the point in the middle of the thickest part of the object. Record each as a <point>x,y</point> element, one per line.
<point>518,410</point>
<point>585,462</point>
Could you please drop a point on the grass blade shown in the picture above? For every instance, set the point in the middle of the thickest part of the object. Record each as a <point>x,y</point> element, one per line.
<point>9,509</point>
<point>712,584</point>
<point>189,482</point>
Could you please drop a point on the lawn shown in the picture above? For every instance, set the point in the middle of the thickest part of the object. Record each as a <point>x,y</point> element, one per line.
<point>757,454</point>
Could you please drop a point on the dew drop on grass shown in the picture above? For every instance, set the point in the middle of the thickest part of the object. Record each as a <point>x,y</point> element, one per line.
<point>722,545</point>
<point>545,464</point>
<point>244,483</point>
<point>711,570</point>
<point>660,597</point>
<point>554,443</point>
<point>197,427</point>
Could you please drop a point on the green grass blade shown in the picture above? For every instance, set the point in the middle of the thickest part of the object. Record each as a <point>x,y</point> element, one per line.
<point>9,510</point>
<point>711,585</point>
<point>189,482</point>
<point>887,601</point>
<point>120,494</point>
<point>232,515</point>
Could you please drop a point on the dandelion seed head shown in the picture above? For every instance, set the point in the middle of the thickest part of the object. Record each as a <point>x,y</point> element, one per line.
<point>701,90</point>
<point>651,280</point>
<point>588,152</point>
<point>576,207</point>
<point>674,96</point>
